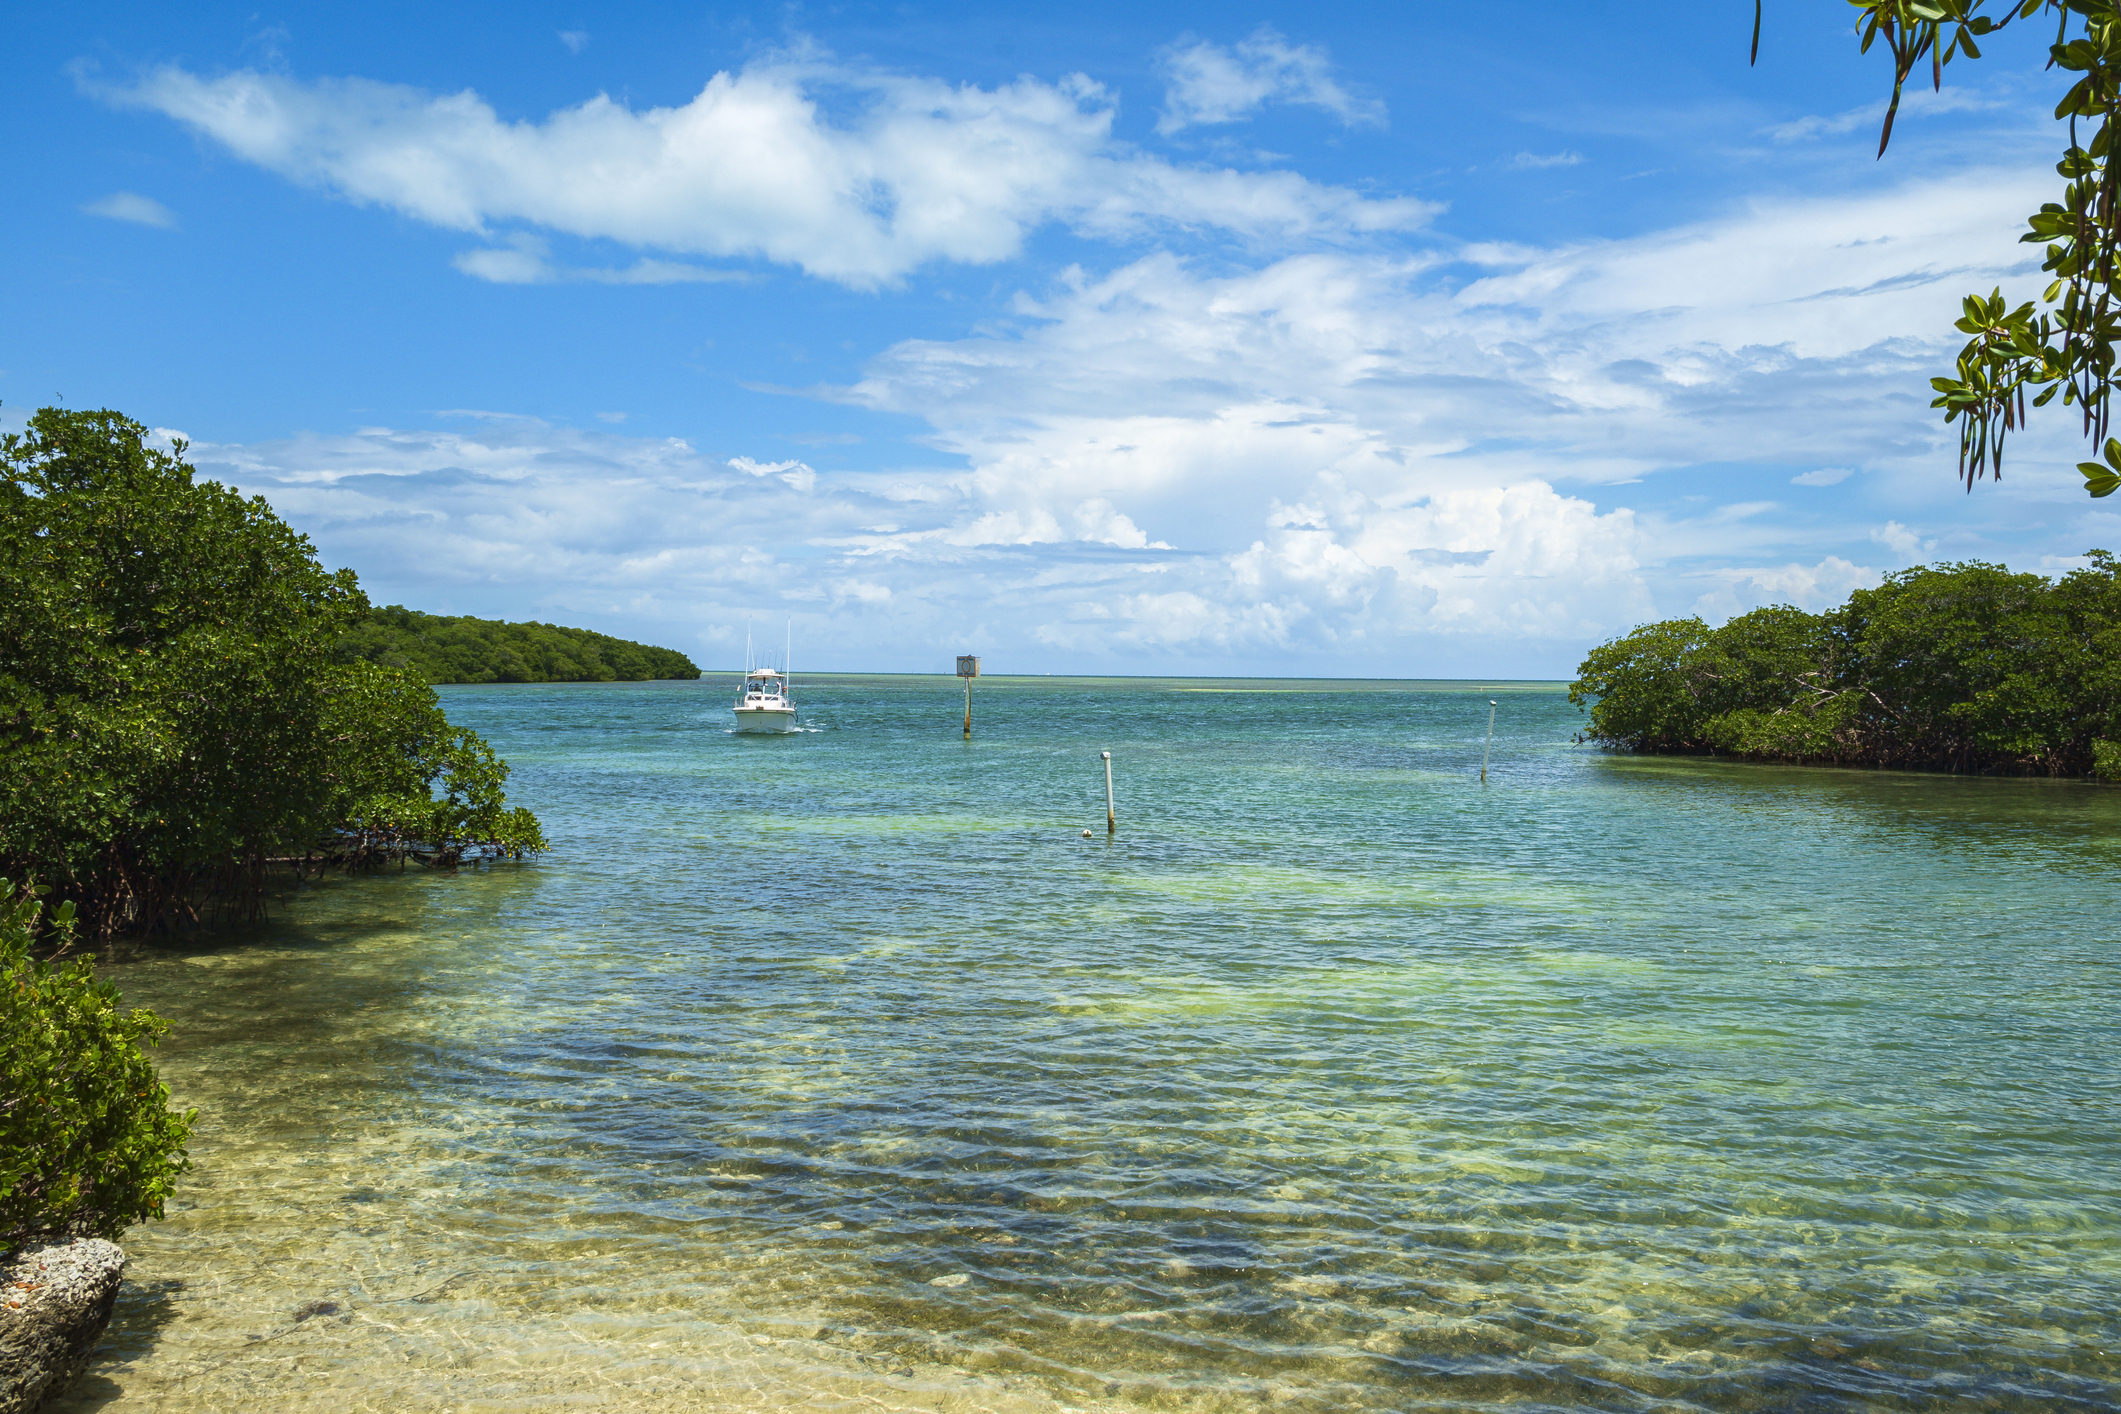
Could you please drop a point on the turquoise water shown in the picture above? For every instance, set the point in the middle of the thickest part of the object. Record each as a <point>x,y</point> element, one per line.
<point>840,1070</point>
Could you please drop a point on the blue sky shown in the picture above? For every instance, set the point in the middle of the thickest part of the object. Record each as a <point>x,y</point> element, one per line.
<point>1147,338</point>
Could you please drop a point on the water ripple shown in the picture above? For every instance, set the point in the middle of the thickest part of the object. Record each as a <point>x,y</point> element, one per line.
<point>841,1068</point>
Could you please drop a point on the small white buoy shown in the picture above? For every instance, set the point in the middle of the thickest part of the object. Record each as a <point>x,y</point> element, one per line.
<point>1086,834</point>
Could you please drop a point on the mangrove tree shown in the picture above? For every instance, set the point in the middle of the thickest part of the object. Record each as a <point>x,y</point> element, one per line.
<point>1965,667</point>
<point>174,716</point>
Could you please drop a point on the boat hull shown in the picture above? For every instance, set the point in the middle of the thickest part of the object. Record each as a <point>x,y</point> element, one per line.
<point>765,721</point>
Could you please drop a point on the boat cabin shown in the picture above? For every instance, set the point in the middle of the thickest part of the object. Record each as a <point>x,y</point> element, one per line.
<point>760,685</point>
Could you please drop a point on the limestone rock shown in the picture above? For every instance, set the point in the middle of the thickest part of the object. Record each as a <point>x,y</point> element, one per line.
<point>55,1300</point>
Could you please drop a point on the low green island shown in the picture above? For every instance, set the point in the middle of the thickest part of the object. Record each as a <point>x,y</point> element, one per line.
<point>1959,667</point>
<point>446,649</point>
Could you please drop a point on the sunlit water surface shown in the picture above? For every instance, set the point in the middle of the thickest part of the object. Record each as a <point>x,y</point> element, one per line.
<point>840,1071</point>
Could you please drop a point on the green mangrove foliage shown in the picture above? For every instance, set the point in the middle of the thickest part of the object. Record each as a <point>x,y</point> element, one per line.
<point>88,1142</point>
<point>443,649</point>
<point>173,714</point>
<point>1962,666</point>
<point>2066,346</point>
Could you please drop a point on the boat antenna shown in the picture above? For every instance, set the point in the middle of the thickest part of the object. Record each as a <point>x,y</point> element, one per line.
<point>788,659</point>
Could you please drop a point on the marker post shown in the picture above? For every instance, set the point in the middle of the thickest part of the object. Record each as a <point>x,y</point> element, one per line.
<point>968,669</point>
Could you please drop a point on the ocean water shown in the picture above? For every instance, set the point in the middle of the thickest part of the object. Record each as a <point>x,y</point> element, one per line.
<point>840,1071</point>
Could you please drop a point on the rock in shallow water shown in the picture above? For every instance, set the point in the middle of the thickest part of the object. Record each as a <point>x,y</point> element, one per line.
<point>55,1300</point>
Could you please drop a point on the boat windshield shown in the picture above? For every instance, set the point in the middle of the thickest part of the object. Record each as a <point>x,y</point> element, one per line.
<point>763,687</point>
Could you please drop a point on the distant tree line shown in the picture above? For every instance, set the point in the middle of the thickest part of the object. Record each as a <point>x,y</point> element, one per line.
<point>175,717</point>
<point>443,649</point>
<point>1965,667</point>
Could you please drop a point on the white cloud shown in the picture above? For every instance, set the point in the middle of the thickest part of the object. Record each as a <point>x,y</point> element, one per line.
<point>1209,83</point>
<point>1902,541</point>
<point>525,260</point>
<point>1824,476</point>
<point>1334,461</point>
<point>523,520</point>
<point>1404,441</point>
<point>1814,588</point>
<point>917,170</point>
<point>515,266</point>
<point>1532,161</point>
<point>1915,103</point>
<point>793,473</point>
<point>576,40</point>
<point>1817,125</point>
<point>130,206</point>
<point>1598,364</point>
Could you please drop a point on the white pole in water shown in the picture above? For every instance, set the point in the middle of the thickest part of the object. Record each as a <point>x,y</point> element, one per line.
<point>1111,819</point>
<point>1491,742</point>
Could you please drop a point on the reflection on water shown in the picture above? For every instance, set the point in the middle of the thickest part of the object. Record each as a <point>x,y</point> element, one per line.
<point>840,1071</point>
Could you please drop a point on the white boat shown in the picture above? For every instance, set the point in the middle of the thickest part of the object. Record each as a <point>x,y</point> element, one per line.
<point>765,701</point>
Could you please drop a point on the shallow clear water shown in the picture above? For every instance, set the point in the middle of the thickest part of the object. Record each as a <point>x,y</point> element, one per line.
<point>839,1070</point>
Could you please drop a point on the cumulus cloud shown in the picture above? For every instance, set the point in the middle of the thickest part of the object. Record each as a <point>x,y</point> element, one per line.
<point>522,519</point>
<point>130,206</point>
<point>1210,83</point>
<point>1770,332</point>
<point>1359,448</point>
<point>1905,543</point>
<point>1814,588</point>
<point>1345,461</point>
<point>910,170</point>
